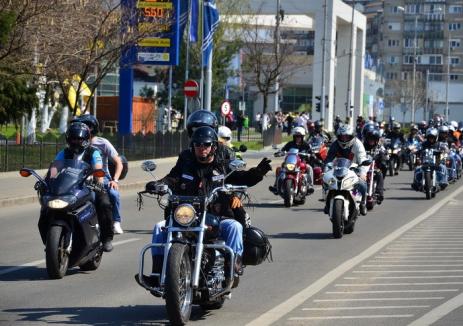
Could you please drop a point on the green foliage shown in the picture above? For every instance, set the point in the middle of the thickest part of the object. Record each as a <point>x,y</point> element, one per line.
<point>16,99</point>
<point>7,20</point>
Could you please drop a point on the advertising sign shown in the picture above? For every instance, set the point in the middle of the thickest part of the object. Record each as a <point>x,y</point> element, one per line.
<point>160,20</point>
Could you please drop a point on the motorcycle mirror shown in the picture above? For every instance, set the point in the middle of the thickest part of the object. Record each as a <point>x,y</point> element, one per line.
<point>25,173</point>
<point>243,148</point>
<point>99,173</point>
<point>237,165</point>
<point>148,166</point>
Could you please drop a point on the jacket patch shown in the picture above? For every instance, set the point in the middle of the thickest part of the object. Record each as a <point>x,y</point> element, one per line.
<point>218,177</point>
<point>186,176</point>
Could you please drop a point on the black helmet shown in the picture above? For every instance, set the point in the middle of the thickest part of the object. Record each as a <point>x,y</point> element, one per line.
<point>78,137</point>
<point>90,120</point>
<point>367,129</point>
<point>201,118</point>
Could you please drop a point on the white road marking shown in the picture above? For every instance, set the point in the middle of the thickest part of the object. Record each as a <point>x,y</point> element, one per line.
<point>413,265</point>
<point>391,291</point>
<point>411,260</point>
<point>379,299</point>
<point>397,284</point>
<point>402,277</point>
<point>42,261</point>
<point>414,271</point>
<point>418,256</point>
<point>285,307</point>
<point>439,312</point>
<point>364,308</point>
<point>352,317</point>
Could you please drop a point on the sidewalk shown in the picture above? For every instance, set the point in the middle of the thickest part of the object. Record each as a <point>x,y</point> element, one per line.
<point>15,190</point>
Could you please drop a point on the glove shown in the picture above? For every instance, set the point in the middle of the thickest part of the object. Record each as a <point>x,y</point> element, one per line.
<point>235,202</point>
<point>151,186</point>
<point>264,166</point>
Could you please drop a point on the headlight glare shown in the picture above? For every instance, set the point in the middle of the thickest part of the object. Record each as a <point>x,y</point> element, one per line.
<point>184,214</point>
<point>290,167</point>
<point>57,204</point>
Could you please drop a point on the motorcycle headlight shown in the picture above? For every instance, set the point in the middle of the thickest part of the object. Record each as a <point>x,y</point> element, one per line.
<point>57,204</point>
<point>290,167</point>
<point>184,214</point>
<point>331,181</point>
<point>347,183</point>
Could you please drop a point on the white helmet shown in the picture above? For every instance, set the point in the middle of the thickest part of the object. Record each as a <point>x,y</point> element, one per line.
<point>298,131</point>
<point>345,136</point>
<point>225,133</point>
<point>454,124</point>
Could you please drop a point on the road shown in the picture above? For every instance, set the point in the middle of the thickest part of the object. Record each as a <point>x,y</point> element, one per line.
<point>402,264</point>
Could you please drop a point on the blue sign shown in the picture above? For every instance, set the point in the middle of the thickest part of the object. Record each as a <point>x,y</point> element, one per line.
<point>161,20</point>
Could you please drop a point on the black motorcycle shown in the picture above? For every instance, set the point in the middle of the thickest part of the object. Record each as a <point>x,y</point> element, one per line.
<point>72,234</point>
<point>198,267</point>
<point>394,149</point>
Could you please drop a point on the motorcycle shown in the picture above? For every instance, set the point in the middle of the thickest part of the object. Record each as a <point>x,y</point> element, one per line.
<point>198,267</point>
<point>72,236</point>
<point>292,181</point>
<point>373,170</point>
<point>426,174</point>
<point>409,154</point>
<point>343,200</point>
<point>453,164</point>
<point>319,153</point>
<point>394,150</point>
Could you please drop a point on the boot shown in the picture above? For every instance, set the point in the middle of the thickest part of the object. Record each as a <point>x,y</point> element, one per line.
<point>363,207</point>
<point>273,189</point>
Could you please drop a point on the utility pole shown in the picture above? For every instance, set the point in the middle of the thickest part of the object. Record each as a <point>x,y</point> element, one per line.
<point>447,83</point>
<point>349,72</point>
<point>277,53</point>
<point>323,102</point>
<point>414,70</point>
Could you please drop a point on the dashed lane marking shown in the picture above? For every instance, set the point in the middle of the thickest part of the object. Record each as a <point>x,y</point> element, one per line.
<point>351,317</point>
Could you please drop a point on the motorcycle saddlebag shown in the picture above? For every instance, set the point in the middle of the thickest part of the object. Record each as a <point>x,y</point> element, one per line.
<point>256,246</point>
<point>125,167</point>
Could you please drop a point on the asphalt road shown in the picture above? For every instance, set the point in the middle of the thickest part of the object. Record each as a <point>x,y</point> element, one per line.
<point>388,272</point>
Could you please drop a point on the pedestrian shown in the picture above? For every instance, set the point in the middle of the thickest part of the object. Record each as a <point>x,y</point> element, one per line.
<point>289,121</point>
<point>240,124</point>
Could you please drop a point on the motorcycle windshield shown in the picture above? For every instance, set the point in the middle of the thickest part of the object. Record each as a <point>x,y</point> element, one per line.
<point>291,159</point>
<point>341,167</point>
<point>64,175</point>
<point>316,143</point>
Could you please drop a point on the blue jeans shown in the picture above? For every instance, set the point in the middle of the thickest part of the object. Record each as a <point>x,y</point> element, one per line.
<point>361,186</point>
<point>231,231</point>
<point>115,199</point>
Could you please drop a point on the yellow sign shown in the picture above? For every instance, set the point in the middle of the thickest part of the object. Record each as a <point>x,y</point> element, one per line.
<point>160,5</point>
<point>155,42</point>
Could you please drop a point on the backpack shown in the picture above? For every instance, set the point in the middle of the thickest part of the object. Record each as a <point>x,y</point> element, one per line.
<point>257,247</point>
<point>112,167</point>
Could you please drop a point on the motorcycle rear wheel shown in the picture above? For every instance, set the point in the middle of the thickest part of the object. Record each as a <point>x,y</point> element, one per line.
<point>56,257</point>
<point>288,195</point>
<point>179,292</point>
<point>338,219</point>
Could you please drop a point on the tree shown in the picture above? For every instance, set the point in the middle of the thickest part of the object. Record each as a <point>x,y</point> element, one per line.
<point>401,93</point>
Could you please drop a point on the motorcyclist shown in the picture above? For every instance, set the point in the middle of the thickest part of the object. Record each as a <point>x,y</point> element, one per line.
<point>379,154</point>
<point>431,143</point>
<point>225,137</point>
<point>337,122</point>
<point>422,127</point>
<point>303,147</point>
<point>444,136</point>
<point>198,171</point>
<point>107,152</point>
<point>414,135</point>
<point>320,131</point>
<point>79,148</point>
<point>348,146</point>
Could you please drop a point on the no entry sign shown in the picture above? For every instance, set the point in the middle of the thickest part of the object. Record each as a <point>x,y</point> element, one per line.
<point>191,88</point>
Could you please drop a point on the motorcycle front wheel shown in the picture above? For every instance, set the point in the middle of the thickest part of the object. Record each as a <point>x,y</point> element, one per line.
<point>179,292</point>
<point>94,263</point>
<point>288,193</point>
<point>57,259</point>
<point>428,184</point>
<point>391,165</point>
<point>338,219</point>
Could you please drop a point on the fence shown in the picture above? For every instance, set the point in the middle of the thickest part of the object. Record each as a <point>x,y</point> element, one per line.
<point>137,147</point>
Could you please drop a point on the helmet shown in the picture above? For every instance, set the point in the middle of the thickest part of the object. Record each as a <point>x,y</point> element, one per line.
<point>396,125</point>
<point>201,118</point>
<point>452,128</point>
<point>413,127</point>
<point>317,125</point>
<point>225,133</point>
<point>443,129</point>
<point>90,120</point>
<point>299,131</point>
<point>422,125</point>
<point>431,132</point>
<point>310,125</point>
<point>204,135</point>
<point>78,137</point>
<point>454,124</point>
<point>345,136</point>
<point>368,128</point>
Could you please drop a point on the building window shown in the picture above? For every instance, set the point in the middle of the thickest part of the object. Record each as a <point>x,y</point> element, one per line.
<point>454,26</point>
<point>453,77</point>
<point>454,60</point>
<point>433,44</point>
<point>408,43</point>
<point>404,75</point>
<point>391,76</point>
<point>408,59</point>
<point>393,60</point>
<point>393,43</point>
<point>455,43</point>
<point>435,60</point>
<point>456,9</point>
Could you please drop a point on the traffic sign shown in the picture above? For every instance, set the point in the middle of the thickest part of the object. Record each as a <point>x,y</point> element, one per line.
<point>191,88</point>
<point>225,107</point>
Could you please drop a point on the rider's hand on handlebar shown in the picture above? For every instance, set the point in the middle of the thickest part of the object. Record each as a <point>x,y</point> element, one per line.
<point>235,202</point>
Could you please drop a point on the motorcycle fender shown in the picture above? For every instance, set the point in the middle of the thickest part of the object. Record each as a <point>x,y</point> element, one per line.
<point>68,228</point>
<point>346,206</point>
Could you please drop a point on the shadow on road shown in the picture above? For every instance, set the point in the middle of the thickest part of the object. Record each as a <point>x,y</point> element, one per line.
<point>101,316</point>
<point>406,198</point>
<point>32,273</point>
<point>265,205</point>
<point>302,236</point>
<point>139,231</point>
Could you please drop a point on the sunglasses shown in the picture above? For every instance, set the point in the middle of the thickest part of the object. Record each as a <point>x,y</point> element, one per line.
<point>206,145</point>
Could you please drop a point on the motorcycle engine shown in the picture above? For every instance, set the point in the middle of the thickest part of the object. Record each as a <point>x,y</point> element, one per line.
<point>214,270</point>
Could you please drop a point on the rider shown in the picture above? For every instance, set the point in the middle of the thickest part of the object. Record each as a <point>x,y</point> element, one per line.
<point>199,170</point>
<point>320,131</point>
<point>303,147</point>
<point>348,146</point>
<point>107,151</point>
<point>225,138</point>
<point>431,143</point>
<point>379,154</point>
<point>414,135</point>
<point>79,148</point>
<point>422,127</point>
<point>446,137</point>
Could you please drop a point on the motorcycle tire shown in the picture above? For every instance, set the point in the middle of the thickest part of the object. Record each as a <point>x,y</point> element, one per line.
<point>179,292</point>
<point>56,257</point>
<point>391,167</point>
<point>410,165</point>
<point>337,219</point>
<point>350,228</point>
<point>214,305</point>
<point>427,185</point>
<point>94,263</point>
<point>288,195</point>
